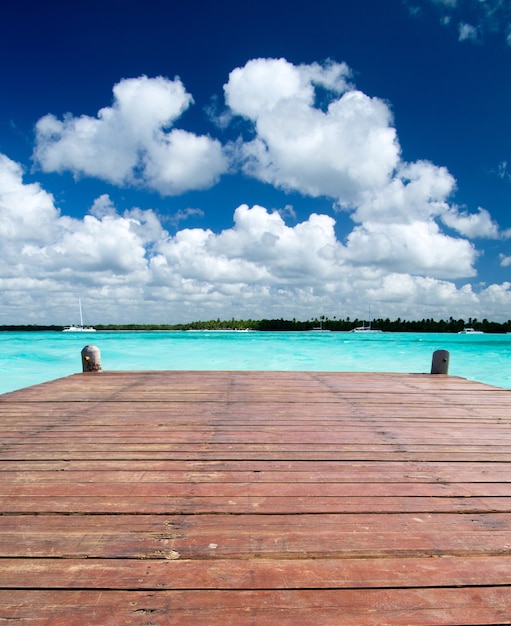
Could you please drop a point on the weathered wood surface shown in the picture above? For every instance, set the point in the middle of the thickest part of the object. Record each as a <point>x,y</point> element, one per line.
<point>255,498</point>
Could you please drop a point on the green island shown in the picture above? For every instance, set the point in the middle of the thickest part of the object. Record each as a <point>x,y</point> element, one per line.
<point>323,322</point>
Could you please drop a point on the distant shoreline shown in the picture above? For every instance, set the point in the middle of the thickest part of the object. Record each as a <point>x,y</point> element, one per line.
<point>324,323</point>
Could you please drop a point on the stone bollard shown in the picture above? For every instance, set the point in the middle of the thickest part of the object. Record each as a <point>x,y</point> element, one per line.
<point>91,359</point>
<point>440,362</point>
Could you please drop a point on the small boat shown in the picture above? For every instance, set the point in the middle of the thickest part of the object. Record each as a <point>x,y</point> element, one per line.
<point>81,328</point>
<point>470,331</point>
<point>365,329</point>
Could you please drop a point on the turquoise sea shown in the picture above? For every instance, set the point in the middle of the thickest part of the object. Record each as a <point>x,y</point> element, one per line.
<point>28,358</point>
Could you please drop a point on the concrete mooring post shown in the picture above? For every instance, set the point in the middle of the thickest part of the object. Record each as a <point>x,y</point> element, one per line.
<point>440,362</point>
<point>91,359</point>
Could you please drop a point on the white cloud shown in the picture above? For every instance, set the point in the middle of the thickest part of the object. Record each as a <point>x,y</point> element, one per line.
<point>417,192</point>
<point>27,211</point>
<point>313,133</point>
<point>440,295</point>
<point>102,207</point>
<point>263,84</point>
<point>416,248</point>
<point>261,258</point>
<point>260,248</point>
<point>40,244</point>
<point>339,149</point>
<point>91,248</point>
<point>496,297</point>
<point>129,144</point>
<point>349,151</point>
<point>131,270</point>
<point>474,225</point>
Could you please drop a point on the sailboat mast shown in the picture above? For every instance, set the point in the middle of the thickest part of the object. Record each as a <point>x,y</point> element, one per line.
<point>81,316</point>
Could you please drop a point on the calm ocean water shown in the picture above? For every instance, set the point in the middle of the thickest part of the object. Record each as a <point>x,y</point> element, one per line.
<point>28,358</point>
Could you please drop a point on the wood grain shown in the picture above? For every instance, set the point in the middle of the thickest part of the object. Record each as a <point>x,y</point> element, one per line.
<point>255,498</point>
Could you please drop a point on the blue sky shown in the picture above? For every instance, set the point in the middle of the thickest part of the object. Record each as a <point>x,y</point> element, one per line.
<point>227,159</point>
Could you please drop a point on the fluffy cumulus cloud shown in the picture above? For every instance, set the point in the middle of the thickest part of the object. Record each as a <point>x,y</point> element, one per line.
<point>132,269</point>
<point>129,143</point>
<point>408,248</point>
<point>259,249</point>
<point>417,192</point>
<point>318,135</point>
<point>46,255</point>
<point>474,225</point>
<point>416,248</point>
<point>27,212</point>
<point>314,134</point>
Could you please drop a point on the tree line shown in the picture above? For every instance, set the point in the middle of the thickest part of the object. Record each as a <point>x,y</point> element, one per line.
<point>323,322</point>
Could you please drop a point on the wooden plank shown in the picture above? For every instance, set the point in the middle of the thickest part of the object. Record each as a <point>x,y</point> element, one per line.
<point>165,490</point>
<point>261,436</point>
<point>259,470</point>
<point>57,414</point>
<point>169,574</point>
<point>253,535</point>
<point>284,453</point>
<point>114,472</point>
<point>249,504</point>
<point>438,606</point>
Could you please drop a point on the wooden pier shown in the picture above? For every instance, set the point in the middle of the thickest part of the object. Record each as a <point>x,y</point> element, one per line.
<point>267,498</point>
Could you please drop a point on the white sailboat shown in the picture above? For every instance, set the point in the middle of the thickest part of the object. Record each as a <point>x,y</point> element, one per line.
<point>366,328</point>
<point>81,328</point>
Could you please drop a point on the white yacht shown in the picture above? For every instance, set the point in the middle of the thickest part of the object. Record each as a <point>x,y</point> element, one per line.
<point>365,329</point>
<point>81,328</point>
